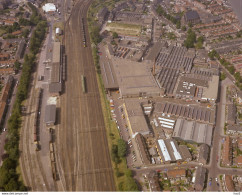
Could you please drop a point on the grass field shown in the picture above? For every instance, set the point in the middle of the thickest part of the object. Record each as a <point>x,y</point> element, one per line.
<point>125,29</point>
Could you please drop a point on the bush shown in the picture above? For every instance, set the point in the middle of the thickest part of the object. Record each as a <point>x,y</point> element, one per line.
<point>122,148</point>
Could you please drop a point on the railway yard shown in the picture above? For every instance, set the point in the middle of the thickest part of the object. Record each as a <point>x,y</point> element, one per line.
<point>62,151</point>
<point>179,121</point>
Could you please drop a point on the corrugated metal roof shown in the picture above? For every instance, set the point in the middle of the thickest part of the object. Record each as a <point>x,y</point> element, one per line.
<point>164,150</point>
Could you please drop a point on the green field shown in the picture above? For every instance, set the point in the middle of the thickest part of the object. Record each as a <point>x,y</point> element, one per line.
<point>124,29</point>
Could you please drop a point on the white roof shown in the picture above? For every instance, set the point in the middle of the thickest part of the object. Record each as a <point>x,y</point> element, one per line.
<point>164,150</point>
<point>49,7</point>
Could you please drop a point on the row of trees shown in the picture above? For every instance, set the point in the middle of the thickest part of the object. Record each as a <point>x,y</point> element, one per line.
<point>174,20</point>
<point>118,153</point>
<point>215,55</point>
<point>9,178</point>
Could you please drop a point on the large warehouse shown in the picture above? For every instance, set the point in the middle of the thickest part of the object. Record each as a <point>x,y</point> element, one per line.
<point>55,85</point>
<point>135,79</point>
<point>192,131</point>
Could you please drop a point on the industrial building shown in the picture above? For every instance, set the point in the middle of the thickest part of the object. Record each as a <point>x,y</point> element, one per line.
<point>187,112</point>
<point>142,149</point>
<point>135,79</point>
<point>194,88</point>
<point>170,63</point>
<point>192,131</point>
<point>50,114</point>
<point>169,151</point>
<point>135,118</point>
<point>55,85</point>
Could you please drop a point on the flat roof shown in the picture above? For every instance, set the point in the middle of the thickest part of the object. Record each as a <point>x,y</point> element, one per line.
<point>108,75</point>
<point>135,78</point>
<point>155,50</point>
<point>50,114</point>
<point>211,92</point>
<point>56,52</point>
<point>136,117</point>
<point>55,87</point>
<point>55,72</point>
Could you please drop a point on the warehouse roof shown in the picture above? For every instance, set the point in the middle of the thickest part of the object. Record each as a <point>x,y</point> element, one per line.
<point>55,87</point>
<point>135,78</point>
<point>136,117</point>
<point>108,75</point>
<point>56,52</point>
<point>169,150</point>
<point>155,50</point>
<point>55,72</point>
<point>193,131</point>
<point>50,114</point>
<point>211,92</point>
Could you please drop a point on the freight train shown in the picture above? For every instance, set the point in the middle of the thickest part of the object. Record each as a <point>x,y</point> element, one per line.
<point>83,33</point>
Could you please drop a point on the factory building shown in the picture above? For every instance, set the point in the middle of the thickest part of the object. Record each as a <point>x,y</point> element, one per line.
<point>192,131</point>
<point>168,151</point>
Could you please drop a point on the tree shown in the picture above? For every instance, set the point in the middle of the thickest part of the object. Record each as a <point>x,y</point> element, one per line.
<point>17,65</point>
<point>184,28</point>
<point>191,39</point>
<point>178,25</point>
<point>12,185</point>
<point>222,76</point>
<point>212,54</point>
<point>122,148</point>
<point>115,35</point>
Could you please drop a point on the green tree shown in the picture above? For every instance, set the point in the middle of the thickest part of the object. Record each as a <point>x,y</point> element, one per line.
<point>122,148</point>
<point>115,35</point>
<point>184,28</point>
<point>222,76</point>
<point>17,65</point>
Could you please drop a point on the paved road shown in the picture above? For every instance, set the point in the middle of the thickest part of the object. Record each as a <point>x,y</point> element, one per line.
<point>82,148</point>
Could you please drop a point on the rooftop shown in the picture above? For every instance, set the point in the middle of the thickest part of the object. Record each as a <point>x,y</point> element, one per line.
<point>191,15</point>
<point>136,117</point>
<point>193,131</point>
<point>50,114</point>
<point>135,79</point>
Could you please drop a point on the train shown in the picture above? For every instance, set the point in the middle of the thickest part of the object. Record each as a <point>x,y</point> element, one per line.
<point>83,33</point>
<point>83,78</point>
<point>36,118</point>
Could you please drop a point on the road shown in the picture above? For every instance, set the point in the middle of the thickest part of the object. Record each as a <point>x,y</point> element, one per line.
<point>82,150</point>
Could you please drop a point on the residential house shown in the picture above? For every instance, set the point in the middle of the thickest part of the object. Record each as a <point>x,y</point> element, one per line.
<point>227,152</point>
<point>229,184</point>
